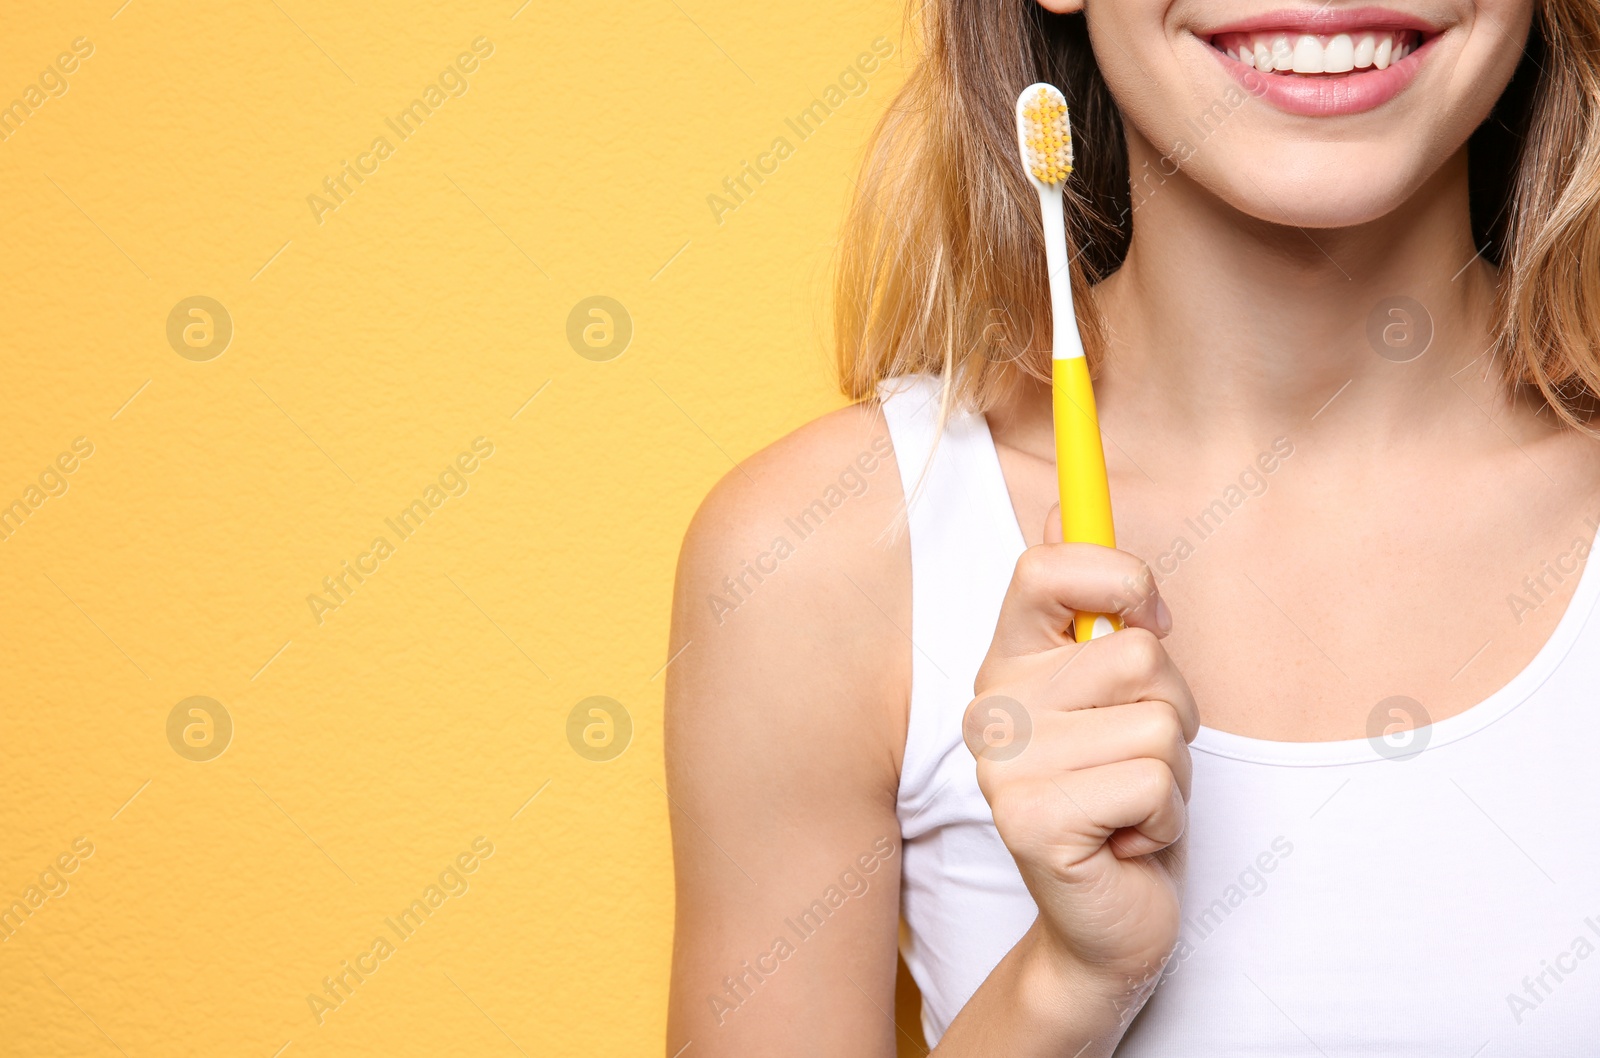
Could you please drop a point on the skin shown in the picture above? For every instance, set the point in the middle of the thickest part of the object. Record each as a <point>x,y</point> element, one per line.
<point>1375,560</point>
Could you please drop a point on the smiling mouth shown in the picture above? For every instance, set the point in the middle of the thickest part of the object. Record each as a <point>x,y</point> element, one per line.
<point>1318,54</point>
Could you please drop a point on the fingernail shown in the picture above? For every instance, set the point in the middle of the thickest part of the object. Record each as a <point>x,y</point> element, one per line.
<point>1163,616</point>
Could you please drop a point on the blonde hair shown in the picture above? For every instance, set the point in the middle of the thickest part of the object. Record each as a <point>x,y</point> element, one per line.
<point>941,261</point>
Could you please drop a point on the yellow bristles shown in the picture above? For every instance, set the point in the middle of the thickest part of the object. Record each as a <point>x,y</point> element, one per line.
<point>1047,136</point>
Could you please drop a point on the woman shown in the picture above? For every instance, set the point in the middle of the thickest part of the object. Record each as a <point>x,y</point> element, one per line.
<point>1344,317</point>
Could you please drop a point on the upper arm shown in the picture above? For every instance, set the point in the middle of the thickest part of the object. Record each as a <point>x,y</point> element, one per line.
<point>785,719</point>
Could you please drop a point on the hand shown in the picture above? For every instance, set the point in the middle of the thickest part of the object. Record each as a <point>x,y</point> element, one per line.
<point>1083,756</point>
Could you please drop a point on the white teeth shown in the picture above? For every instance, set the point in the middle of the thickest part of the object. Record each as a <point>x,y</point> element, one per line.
<point>1305,53</point>
<point>1340,55</point>
<point>1309,56</point>
<point>1282,53</point>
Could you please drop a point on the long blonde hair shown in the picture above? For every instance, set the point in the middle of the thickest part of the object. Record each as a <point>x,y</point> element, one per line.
<point>941,261</point>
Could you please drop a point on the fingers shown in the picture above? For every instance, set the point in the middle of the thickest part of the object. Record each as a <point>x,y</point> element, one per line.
<point>1135,806</point>
<point>1135,803</point>
<point>1053,582</point>
<point>1097,737</point>
<point>1126,666</point>
<point>1013,748</point>
<point>1082,747</point>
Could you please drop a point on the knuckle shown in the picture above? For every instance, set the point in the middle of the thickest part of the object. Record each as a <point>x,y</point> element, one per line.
<point>1033,567</point>
<point>986,673</point>
<point>1178,824</point>
<point>1159,726</point>
<point>1015,810</point>
<point>1006,802</point>
<point>972,721</point>
<point>1142,652</point>
<point>969,716</point>
<point>1138,584</point>
<point>1153,780</point>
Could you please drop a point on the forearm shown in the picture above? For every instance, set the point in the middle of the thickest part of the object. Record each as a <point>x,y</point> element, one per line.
<point>1040,1003</point>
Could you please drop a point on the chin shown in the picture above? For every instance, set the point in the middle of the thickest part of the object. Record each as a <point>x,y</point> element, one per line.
<point>1339,185</point>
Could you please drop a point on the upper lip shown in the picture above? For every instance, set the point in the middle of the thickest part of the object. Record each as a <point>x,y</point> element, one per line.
<point>1325,20</point>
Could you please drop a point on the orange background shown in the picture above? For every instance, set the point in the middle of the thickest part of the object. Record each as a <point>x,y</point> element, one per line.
<point>375,740</point>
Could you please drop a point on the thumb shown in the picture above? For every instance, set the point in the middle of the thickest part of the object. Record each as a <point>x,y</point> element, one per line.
<point>1052,524</point>
<point>1141,601</point>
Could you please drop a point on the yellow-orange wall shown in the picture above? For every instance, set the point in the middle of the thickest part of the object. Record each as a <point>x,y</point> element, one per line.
<point>374,742</point>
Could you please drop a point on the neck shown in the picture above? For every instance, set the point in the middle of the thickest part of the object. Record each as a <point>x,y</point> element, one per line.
<point>1226,329</point>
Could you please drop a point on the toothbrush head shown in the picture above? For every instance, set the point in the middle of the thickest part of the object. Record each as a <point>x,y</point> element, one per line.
<point>1044,136</point>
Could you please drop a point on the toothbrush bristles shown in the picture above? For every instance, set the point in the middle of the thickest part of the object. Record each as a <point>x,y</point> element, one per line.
<point>1047,135</point>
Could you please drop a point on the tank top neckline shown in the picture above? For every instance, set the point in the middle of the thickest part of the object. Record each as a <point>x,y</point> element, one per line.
<point>1475,718</point>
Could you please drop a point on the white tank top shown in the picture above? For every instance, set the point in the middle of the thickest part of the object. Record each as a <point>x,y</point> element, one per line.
<point>1338,900</point>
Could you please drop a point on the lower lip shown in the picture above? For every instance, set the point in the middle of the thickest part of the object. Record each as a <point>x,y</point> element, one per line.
<point>1321,95</point>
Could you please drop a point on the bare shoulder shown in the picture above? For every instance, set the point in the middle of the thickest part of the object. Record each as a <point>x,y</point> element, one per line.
<point>785,720</point>
<point>793,587</point>
<point>830,489</point>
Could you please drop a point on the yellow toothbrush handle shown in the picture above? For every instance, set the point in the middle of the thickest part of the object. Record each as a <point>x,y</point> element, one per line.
<point>1081,468</point>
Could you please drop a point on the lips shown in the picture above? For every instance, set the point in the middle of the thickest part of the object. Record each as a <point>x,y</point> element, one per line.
<point>1323,63</point>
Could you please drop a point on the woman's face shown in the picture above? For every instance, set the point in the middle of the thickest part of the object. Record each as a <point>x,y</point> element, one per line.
<point>1317,115</point>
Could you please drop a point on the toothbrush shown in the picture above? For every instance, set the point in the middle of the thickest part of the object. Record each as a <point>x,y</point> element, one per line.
<point>1044,141</point>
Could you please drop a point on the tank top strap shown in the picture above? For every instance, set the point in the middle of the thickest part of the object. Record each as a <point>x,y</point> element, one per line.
<point>964,544</point>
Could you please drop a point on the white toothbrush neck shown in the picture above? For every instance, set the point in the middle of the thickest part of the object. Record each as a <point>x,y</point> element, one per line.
<point>1066,343</point>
